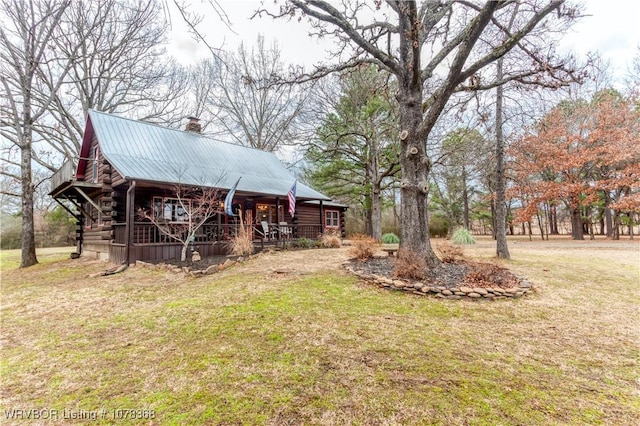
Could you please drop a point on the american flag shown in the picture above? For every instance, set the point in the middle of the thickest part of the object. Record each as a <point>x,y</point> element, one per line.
<point>291,195</point>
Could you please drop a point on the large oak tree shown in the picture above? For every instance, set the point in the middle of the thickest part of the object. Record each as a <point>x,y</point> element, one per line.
<point>434,49</point>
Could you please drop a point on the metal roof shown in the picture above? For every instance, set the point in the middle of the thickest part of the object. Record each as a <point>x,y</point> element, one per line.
<point>144,151</point>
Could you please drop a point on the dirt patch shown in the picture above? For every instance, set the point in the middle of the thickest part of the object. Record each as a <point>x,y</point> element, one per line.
<point>278,262</point>
<point>203,263</point>
<point>270,263</point>
<point>302,261</point>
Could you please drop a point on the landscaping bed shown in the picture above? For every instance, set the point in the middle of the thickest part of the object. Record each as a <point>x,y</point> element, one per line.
<point>455,280</point>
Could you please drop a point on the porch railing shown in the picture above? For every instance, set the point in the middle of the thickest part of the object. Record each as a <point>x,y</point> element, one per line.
<point>148,233</point>
<point>63,174</point>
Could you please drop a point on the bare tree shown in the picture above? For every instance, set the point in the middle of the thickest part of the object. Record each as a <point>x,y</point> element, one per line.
<point>118,66</point>
<point>434,49</point>
<point>9,188</point>
<point>194,207</point>
<point>25,55</point>
<point>246,102</point>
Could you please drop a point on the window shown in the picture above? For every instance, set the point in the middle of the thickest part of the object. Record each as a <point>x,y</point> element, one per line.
<point>171,209</point>
<point>93,216</point>
<point>95,163</point>
<point>331,218</point>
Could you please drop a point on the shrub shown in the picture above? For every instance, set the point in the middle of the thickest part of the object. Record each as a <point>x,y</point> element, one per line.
<point>10,232</point>
<point>409,264</point>
<point>303,242</point>
<point>241,244</point>
<point>462,236</point>
<point>438,226</point>
<point>448,253</point>
<point>362,247</point>
<point>330,239</point>
<point>390,238</point>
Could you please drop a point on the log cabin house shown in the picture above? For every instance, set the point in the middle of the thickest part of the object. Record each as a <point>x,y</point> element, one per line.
<point>125,165</point>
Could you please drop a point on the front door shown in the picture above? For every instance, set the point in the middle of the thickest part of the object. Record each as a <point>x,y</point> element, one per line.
<point>266,212</point>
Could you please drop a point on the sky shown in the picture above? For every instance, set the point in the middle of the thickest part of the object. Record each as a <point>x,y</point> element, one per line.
<point>611,28</point>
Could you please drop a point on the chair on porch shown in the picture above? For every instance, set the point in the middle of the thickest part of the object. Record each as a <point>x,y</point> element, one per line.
<point>266,231</point>
<point>285,230</point>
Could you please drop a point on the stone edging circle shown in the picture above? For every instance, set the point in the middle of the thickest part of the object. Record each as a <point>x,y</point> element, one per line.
<point>455,293</point>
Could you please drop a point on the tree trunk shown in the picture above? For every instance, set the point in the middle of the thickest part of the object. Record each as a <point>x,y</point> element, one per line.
<point>28,255</point>
<point>376,203</point>
<point>465,199</point>
<point>376,213</point>
<point>615,230</point>
<point>540,226</point>
<point>576,224</point>
<point>493,218</point>
<point>502,250</point>
<point>368,202</point>
<point>183,252</point>
<point>608,220</point>
<point>414,234</point>
<point>553,222</point>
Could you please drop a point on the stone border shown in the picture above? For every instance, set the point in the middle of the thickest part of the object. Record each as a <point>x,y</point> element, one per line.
<point>195,273</point>
<point>456,293</point>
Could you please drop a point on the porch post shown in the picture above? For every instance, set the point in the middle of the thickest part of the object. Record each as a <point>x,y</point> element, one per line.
<point>129,220</point>
<point>278,219</point>
<point>321,217</point>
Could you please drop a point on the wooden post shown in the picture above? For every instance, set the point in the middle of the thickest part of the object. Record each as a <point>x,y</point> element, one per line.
<point>130,219</point>
<point>321,217</point>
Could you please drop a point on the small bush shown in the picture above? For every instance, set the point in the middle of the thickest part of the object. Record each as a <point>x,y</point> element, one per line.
<point>409,264</point>
<point>438,226</point>
<point>330,239</point>
<point>390,238</point>
<point>241,244</point>
<point>303,242</point>
<point>462,236</point>
<point>362,247</point>
<point>449,253</point>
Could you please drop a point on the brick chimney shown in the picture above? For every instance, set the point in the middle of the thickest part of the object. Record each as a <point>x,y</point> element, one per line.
<point>193,125</point>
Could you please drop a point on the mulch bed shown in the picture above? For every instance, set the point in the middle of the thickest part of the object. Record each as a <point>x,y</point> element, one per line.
<point>450,275</point>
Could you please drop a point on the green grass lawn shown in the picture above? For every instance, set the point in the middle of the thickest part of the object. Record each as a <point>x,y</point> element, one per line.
<point>247,346</point>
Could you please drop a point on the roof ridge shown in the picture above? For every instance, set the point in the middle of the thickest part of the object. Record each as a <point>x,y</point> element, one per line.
<point>198,135</point>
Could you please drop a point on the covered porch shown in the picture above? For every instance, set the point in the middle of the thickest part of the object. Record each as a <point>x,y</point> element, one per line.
<point>149,244</point>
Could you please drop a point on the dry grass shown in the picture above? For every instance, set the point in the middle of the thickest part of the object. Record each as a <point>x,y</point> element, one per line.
<point>409,265</point>
<point>242,244</point>
<point>362,247</point>
<point>447,252</point>
<point>330,239</point>
<point>288,338</point>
